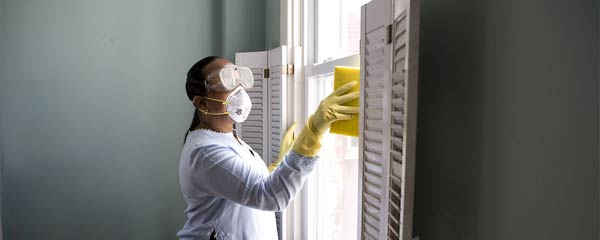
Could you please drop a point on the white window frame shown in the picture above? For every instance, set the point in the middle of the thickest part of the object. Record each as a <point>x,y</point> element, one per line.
<point>297,31</point>
<point>310,231</point>
<point>290,30</point>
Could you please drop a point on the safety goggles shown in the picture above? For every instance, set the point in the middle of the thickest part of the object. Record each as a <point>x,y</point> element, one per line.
<point>230,77</point>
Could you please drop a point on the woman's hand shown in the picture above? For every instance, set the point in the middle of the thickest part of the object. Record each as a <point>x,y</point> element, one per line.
<point>284,148</point>
<point>329,111</point>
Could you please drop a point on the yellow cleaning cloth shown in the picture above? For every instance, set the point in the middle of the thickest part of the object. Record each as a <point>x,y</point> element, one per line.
<point>341,76</point>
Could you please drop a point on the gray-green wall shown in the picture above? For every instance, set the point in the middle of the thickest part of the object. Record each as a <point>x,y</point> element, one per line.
<point>1,139</point>
<point>1,150</point>
<point>247,26</point>
<point>93,110</point>
<point>508,120</point>
<point>243,26</point>
<point>272,15</point>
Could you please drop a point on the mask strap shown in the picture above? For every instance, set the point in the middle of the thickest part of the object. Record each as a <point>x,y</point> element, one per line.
<point>216,100</point>
<point>209,113</point>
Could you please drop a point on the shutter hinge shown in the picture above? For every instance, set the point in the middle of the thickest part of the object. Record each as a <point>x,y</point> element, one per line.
<point>389,34</point>
<point>266,73</point>
<point>289,70</point>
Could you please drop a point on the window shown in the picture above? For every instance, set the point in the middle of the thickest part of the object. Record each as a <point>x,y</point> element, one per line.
<point>328,32</point>
<point>333,193</point>
<point>337,25</point>
<point>332,34</point>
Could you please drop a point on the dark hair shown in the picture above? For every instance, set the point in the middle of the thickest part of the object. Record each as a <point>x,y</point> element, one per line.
<point>194,86</point>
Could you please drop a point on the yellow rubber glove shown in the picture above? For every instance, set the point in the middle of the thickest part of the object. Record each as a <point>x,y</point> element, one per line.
<point>284,148</point>
<point>308,142</point>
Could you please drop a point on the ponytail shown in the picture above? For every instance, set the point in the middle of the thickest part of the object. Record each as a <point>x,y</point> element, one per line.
<point>195,86</point>
<point>195,122</point>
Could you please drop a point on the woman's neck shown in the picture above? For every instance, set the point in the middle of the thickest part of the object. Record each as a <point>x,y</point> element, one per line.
<point>215,126</point>
<point>224,128</point>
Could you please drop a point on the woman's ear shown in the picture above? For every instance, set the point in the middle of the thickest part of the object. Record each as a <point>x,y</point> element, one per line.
<point>199,102</point>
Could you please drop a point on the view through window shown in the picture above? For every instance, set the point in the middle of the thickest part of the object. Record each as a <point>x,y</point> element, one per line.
<point>337,29</point>
<point>335,190</point>
<point>332,201</point>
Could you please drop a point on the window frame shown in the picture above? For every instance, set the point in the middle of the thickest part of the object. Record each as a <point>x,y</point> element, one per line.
<point>298,19</point>
<point>310,68</point>
<point>298,23</point>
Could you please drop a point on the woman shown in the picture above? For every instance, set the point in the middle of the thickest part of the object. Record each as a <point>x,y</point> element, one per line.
<point>228,189</point>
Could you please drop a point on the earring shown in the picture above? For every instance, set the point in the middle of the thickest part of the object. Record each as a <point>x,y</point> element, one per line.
<point>199,109</point>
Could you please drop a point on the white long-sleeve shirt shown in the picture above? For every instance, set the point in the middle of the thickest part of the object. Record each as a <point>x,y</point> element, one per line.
<point>229,191</point>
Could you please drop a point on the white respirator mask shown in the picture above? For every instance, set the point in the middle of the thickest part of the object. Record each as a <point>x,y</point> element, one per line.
<point>238,105</point>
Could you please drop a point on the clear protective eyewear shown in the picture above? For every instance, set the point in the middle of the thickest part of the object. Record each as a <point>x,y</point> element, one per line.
<point>228,78</point>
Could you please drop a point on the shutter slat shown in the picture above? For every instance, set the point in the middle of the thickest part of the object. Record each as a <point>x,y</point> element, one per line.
<point>371,231</point>
<point>398,89</point>
<point>375,147</point>
<point>373,221</point>
<point>375,168</point>
<point>370,177</point>
<point>373,157</point>
<point>372,210</point>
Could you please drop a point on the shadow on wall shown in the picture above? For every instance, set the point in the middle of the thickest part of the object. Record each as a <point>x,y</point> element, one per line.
<point>507,144</point>
<point>449,135</point>
<point>1,232</point>
<point>1,182</point>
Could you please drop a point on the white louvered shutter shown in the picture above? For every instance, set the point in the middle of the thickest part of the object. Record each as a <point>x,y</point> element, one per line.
<point>389,50</point>
<point>254,129</point>
<point>264,128</point>
<point>405,79</point>
<point>277,112</point>
<point>375,61</point>
<point>277,99</point>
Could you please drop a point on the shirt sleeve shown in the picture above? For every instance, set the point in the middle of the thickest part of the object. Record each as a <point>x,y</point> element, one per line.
<point>219,171</point>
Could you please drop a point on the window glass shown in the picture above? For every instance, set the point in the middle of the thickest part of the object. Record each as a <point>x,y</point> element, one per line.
<point>337,29</point>
<point>335,192</point>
